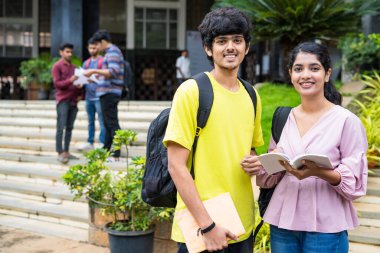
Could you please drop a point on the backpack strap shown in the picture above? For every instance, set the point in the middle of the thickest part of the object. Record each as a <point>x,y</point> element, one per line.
<point>251,91</point>
<point>100,62</point>
<point>206,98</point>
<point>280,116</point>
<point>87,63</point>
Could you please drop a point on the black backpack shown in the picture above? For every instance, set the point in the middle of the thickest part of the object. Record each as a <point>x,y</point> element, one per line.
<point>280,116</point>
<point>158,187</point>
<point>128,79</point>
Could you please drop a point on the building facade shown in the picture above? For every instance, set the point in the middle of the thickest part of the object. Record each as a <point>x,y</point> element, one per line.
<point>149,33</point>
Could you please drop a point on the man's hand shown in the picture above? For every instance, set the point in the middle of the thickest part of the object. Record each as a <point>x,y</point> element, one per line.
<point>88,73</point>
<point>251,165</point>
<point>217,238</point>
<point>73,78</point>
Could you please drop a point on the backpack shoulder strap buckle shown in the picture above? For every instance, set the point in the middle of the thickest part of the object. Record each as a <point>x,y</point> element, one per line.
<point>198,131</point>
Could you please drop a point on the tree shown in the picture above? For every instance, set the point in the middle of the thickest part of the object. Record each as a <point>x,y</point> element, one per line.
<point>295,21</point>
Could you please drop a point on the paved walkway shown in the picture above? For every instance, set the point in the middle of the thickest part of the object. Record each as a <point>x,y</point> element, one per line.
<point>19,241</point>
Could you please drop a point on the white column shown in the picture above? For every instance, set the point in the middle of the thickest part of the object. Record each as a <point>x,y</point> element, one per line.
<point>35,29</point>
<point>181,28</point>
<point>130,5</point>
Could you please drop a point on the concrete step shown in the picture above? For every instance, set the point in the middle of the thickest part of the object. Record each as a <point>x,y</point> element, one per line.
<point>374,173</point>
<point>43,192</point>
<point>37,133</point>
<point>68,211</point>
<point>81,106</point>
<point>35,157</point>
<point>45,227</point>
<point>370,199</point>
<point>373,186</point>
<point>363,248</point>
<point>81,124</point>
<point>27,172</point>
<point>13,104</point>
<point>46,145</point>
<point>366,210</point>
<point>369,222</point>
<point>124,116</point>
<point>362,234</point>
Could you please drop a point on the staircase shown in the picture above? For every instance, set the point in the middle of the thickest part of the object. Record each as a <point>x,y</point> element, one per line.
<point>368,208</point>
<point>32,194</point>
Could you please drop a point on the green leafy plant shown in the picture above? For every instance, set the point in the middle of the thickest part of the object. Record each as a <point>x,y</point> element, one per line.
<point>37,70</point>
<point>294,21</point>
<point>117,193</point>
<point>361,52</point>
<point>368,109</point>
<point>262,241</point>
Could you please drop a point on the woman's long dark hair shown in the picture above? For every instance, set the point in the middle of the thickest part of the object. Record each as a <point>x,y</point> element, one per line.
<point>322,54</point>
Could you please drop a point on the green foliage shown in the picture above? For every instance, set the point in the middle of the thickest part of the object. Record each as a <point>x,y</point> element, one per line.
<point>361,52</point>
<point>90,179</point>
<point>116,192</point>
<point>293,21</point>
<point>37,70</point>
<point>369,113</point>
<point>272,96</point>
<point>262,242</point>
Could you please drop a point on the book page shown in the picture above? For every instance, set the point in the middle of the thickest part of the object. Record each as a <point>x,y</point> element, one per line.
<point>82,79</point>
<point>320,160</point>
<point>271,162</point>
<point>222,211</point>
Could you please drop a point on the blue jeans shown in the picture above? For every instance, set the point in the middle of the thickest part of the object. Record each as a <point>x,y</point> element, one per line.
<point>93,106</point>
<point>289,241</point>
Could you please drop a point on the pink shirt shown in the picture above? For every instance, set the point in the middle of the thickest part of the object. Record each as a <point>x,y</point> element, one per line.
<point>313,204</point>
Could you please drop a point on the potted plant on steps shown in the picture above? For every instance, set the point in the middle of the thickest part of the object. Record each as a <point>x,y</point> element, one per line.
<point>118,194</point>
<point>37,78</point>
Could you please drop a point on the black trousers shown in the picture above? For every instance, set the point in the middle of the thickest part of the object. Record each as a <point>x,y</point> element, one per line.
<point>108,103</point>
<point>66,114</point>
<point>245,246</point>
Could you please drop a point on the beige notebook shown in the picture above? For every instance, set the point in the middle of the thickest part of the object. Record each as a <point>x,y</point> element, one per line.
<point>222,211</point>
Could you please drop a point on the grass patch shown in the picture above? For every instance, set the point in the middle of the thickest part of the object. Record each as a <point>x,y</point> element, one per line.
<point>272,96</point>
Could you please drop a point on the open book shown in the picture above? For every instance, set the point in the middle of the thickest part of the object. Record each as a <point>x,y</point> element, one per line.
<point>271,161</point>
<point>223,213</point>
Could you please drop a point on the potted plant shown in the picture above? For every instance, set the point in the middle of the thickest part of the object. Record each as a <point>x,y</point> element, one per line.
<point>118,193</point>
<point>36,76</point>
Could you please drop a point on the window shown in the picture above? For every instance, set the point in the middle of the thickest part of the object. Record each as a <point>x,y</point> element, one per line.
<point>16,40</point>
<point>18,28</point>
<point>156,28</point>
<point>16,8</point>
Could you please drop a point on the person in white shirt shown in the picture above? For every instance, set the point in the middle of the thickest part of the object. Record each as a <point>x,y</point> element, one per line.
<point>183,67</point>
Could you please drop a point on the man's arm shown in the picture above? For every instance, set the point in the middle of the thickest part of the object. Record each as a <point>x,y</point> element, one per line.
<point>217,238</point>
<point>60,83</point>
<point>104,72</point>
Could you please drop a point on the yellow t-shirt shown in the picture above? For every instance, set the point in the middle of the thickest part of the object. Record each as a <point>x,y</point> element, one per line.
<point>231,130</point>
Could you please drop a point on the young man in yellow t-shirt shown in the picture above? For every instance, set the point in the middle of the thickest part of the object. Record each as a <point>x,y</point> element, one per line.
<point>232,132</point>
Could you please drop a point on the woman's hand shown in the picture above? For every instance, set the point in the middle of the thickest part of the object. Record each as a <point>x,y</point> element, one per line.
<point>308,169</point>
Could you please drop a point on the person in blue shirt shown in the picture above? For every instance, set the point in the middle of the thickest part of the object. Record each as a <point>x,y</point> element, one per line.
<point>110,86</point>
<point>92,100</point>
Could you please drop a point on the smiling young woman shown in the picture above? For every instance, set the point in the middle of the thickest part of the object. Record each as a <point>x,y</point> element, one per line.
<point>311,208</point>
